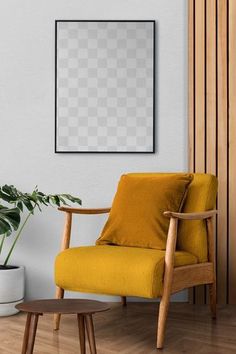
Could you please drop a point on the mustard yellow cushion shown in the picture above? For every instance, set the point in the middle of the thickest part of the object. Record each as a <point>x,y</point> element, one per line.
<point>115,270</point>
<point>201,196</point>
<point>136,218</point>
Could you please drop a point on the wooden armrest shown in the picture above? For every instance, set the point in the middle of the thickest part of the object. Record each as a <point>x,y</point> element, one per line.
<point>84,211</point>
<point>68,221</point>
<point>191,216</point>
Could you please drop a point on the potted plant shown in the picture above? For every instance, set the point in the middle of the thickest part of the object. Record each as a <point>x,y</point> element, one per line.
<point>13,203</point>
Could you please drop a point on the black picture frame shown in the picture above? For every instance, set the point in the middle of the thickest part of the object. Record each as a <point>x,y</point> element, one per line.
<point>154,92</point>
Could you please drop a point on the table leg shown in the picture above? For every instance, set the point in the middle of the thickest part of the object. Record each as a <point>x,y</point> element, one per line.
<point>33,334</point>
<point>90,332</point>
<point>81,326</point>
<point>26,334</point>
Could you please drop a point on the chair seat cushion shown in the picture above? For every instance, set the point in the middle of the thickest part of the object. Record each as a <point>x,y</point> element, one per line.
<point>115,270</point>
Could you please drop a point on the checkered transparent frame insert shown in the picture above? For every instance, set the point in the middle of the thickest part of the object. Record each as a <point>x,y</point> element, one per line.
<point>105,87</point>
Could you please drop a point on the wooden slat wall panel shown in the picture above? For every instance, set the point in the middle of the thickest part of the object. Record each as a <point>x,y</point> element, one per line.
<point>212,124</point>
<point>232,152</point>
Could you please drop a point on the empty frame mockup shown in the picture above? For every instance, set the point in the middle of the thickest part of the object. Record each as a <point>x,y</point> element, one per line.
<point>105,75</point>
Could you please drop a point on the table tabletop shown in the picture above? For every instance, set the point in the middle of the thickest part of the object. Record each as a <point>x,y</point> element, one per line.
<point>63,306</point>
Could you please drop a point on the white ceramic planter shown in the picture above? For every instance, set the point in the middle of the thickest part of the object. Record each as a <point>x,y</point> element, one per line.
<point>12,284</point>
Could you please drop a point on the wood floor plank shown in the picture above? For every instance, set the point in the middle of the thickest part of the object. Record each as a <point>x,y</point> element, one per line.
<point>131,331</point>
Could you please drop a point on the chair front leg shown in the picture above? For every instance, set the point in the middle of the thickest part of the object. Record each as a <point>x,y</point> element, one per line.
<point>167,285</point>
<point>64,245</point>
<point>163,312</point>
<point>57,316</point>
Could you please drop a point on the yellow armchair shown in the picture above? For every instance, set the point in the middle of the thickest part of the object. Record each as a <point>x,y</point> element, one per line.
<point>187,261</point>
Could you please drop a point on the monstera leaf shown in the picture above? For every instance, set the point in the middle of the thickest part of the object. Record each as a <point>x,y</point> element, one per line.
<point>9,220</point>
<point>16,202</point>
<point>11,195</point>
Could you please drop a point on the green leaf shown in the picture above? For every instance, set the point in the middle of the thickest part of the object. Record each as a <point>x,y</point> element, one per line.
<point>8,193</point>
<point>4,227</point>
<point>63,200</point>
<point>55,200</point>
<point>27,202</point>
<point>41,194</point>
<point>7,189</point>
<point>5,197</point>
<point>20,206</point>
<point>72,199</point>
<point>11,217</point>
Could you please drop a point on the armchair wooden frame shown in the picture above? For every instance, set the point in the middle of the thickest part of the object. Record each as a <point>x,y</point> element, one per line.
<point>175,279</point>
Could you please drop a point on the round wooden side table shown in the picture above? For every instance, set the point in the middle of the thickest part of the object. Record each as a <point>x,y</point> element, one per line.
<point>84,309</point>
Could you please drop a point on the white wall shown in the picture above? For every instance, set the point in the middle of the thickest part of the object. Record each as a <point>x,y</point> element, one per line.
<point>27,119</point>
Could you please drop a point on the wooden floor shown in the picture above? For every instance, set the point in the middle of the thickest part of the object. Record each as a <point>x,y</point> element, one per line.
<point>131,330</point>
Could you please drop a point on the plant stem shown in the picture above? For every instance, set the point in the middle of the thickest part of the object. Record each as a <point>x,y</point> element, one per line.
<point>2,242</point>
<point>17,237</point>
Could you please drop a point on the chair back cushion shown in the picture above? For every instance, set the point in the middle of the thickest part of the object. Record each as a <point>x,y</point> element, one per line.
<point>192,235</point>
<point>136,218</point>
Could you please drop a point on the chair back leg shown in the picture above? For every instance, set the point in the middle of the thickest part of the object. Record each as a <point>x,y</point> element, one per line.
<point>212,293</point>
<point>123,301</point>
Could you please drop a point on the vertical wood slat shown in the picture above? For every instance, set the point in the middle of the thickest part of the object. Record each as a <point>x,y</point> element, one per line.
<point>200,85</point>
<point>211,86</point>
<point>211,93</point>
<point>232,151</point>
<point>191,80</point>
<point>191,97</point>
<point>200,78</point>
<point>222,151</point>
